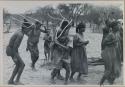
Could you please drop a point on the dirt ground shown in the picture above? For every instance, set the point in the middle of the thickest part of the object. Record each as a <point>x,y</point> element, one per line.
<point>42,75</point>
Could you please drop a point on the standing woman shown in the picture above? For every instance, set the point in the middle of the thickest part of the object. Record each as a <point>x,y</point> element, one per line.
<point>110,57</point>
<point>119,37</point>
<point>78,56</point>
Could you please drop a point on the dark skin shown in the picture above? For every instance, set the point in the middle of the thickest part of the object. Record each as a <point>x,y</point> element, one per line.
<point>106,75</point>
<point>121,35</point>
<point>105,30</point>
<point>14,44</point>
<point>46,47</point>
<point>59,74</point>
<point>56,71</point>
<point>33,38</point>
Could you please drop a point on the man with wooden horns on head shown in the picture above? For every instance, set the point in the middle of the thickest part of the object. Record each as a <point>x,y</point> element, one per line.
<point>60,54</point>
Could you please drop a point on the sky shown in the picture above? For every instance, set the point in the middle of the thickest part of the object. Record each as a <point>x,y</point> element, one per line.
<point>17,7</point>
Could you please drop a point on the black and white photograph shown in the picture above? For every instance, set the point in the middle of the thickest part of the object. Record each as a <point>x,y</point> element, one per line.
<point>63,43</point>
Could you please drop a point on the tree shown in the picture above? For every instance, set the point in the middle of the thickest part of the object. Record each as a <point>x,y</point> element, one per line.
<point>73,11</point>
<point>98,15</point>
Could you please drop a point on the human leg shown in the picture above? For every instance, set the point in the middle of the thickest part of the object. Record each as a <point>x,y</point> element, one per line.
<point>105,77</point>
<point>59,76</point>
<point>14,73</point>
<point>71,76</point>
<point>79,77</point>
<point>53,74</point>
<point>34,56</point>
<point>21,68</point>
<point>67,68</point>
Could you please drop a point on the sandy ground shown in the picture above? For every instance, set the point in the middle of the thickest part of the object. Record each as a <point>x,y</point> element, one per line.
<point>42,75</point>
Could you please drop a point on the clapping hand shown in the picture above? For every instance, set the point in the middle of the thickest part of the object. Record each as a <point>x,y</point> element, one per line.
<point>86,42</point>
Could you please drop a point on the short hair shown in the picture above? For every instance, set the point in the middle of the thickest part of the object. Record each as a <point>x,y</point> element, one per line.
<point>106,30</point>
<point>114,23</point>
<point>37,23</point>
<point>79,26</point>
<point>108,22</point>
<point>25,20</point>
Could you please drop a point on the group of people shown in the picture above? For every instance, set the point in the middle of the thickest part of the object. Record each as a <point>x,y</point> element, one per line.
<point>72,58</point>
<point>33,32</point>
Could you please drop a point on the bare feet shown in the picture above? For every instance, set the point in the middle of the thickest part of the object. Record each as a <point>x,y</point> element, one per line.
<point>11,83</point>
<point>60,77</point>
<point>6,32</point>
<point>72,80</point>
<point>66,82</point>
<point>100,83</point>
<point>34,69</point>
<point>18,83</point>
<point>85,75</point>
<point>79,79</point>
<point>52,81</point>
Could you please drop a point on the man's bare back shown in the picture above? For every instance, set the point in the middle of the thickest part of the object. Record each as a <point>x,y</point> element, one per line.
<point>12,50</point>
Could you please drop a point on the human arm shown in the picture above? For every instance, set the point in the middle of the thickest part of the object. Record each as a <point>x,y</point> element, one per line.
<point>78,42</point>
<point>109,39</point>
<point>45,29</point>
<point>82,43</point>
<point>17,41</point>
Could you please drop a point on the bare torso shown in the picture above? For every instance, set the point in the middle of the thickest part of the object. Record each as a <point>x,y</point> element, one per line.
<point>16,40</point>
<point>34,36</point>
